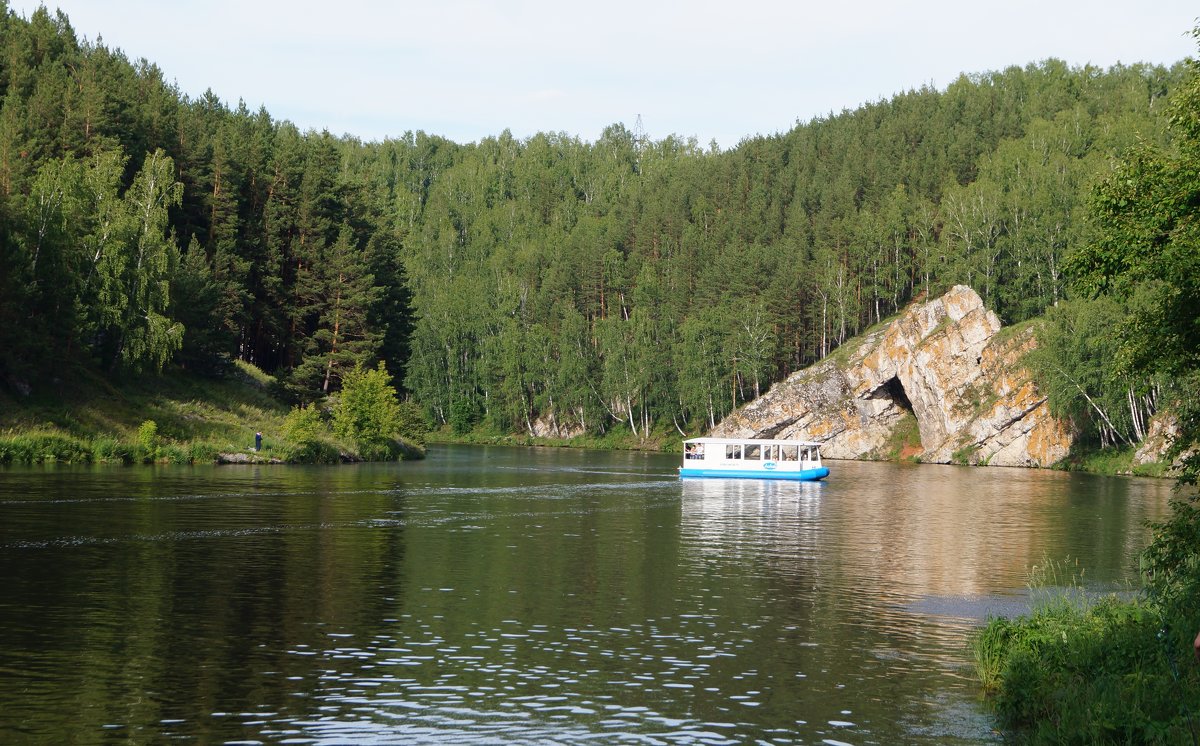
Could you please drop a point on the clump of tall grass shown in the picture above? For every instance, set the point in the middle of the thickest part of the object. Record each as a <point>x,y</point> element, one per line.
<point>106,449</point>
<point>42,448</point>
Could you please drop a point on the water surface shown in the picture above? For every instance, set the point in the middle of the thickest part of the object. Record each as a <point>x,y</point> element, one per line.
<point>510,595</point>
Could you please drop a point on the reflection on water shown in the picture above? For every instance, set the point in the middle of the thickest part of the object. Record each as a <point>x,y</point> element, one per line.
<point>493,595</point>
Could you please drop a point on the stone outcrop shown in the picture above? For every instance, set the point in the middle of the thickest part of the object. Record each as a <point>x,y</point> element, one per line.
<point>550,426</point>
<point>943,362</point>
<point>1155,448</point>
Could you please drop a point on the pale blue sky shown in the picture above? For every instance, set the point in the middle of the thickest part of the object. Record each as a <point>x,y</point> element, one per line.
<point>467,69</point>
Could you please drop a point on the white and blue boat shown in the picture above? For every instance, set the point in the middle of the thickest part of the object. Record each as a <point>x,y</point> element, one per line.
<point>752,458</point>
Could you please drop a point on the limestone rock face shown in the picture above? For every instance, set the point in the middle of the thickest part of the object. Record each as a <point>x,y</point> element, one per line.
<point>1164,430</point>
<point>942,361</point>
<point>550,426</point>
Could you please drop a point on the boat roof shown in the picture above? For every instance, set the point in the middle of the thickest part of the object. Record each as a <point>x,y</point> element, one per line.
<point>758,441</point>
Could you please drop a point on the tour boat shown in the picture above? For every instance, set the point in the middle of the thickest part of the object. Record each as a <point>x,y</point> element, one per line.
<point>752,458</point>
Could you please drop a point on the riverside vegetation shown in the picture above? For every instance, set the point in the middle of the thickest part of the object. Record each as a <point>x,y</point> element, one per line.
<point>149,241</point>
<point>185,419</point>
<point>1117,671</point>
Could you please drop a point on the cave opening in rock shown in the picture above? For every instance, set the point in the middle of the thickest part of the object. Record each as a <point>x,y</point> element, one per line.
<point>893,389</point>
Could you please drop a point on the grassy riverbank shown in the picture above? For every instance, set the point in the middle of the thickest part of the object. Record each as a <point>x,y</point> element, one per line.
<point>1111,462</point>
<point>1112,670</point>
<point>172,418</point>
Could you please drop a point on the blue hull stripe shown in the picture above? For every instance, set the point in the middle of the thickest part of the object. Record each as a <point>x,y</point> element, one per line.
<point>805,475</point>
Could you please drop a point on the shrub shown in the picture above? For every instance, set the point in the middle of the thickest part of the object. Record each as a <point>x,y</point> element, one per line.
<point>462,416</point>
<point>147,438</point>
<point>173,454</point>
<point>303,425</point>
<point>38,448</point>
<point>306,433</point>
<point>367,412</point>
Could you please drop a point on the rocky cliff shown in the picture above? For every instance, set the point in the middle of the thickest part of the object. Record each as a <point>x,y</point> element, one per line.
<point>944,363</point>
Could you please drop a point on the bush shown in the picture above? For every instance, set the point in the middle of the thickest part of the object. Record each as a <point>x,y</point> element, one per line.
<point>1172,564</point>
<point>147,441</point>
<point>462,416</point>
<point>305,431</point>
<point>303,425</point>
<point>173,454</point>
<point>367,412</point>
<point>1096,674</point>
<point>147,434</point>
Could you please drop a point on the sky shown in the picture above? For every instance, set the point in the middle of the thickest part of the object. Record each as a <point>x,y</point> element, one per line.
<point>716,71</point>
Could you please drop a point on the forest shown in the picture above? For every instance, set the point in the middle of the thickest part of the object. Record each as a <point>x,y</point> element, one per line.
<point>628,283</point>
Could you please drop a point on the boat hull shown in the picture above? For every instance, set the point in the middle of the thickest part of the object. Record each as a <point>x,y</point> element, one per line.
<point>804,475</point>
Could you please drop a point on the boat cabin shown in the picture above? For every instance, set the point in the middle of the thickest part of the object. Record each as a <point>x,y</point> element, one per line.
<point>752,458</point>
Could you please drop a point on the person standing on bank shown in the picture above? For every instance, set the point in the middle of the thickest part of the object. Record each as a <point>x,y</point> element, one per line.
<point>258,441</point>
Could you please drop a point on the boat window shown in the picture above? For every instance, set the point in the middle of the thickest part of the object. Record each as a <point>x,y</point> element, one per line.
<point>733,451</point>
<point>753,451</point>
<point>771,452</point>
<point>693,450</point>
<point>789,453</point>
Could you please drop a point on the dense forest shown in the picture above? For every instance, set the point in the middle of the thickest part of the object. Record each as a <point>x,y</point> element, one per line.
<point>623,283</point>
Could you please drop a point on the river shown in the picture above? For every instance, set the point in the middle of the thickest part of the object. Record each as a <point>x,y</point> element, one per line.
<point>498,595</point>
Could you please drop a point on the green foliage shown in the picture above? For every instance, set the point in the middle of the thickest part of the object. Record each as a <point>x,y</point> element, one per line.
<point>1095,674</point>
<point>1172,564</point>
<point>463,416</point>
<point>201,452</point>
<point>367,413</point>
<point>110,449</point>
<point>303,424</point>
<point>412,425</point>
<point>147,436</point>
<point>1145,258</point>
<point>905,439</point>
<point>1112,672</point>
<point>338,292</point>
<point>1078,364</point>
<point>307,434</point>
<point>207,298</point>
<point>43,447</point>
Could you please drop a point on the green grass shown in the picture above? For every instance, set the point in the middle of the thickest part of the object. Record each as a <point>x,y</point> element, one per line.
<point>906,437</point>
<point>1010,332</point>
<point>964,456</point>
<point>1085,670</point>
